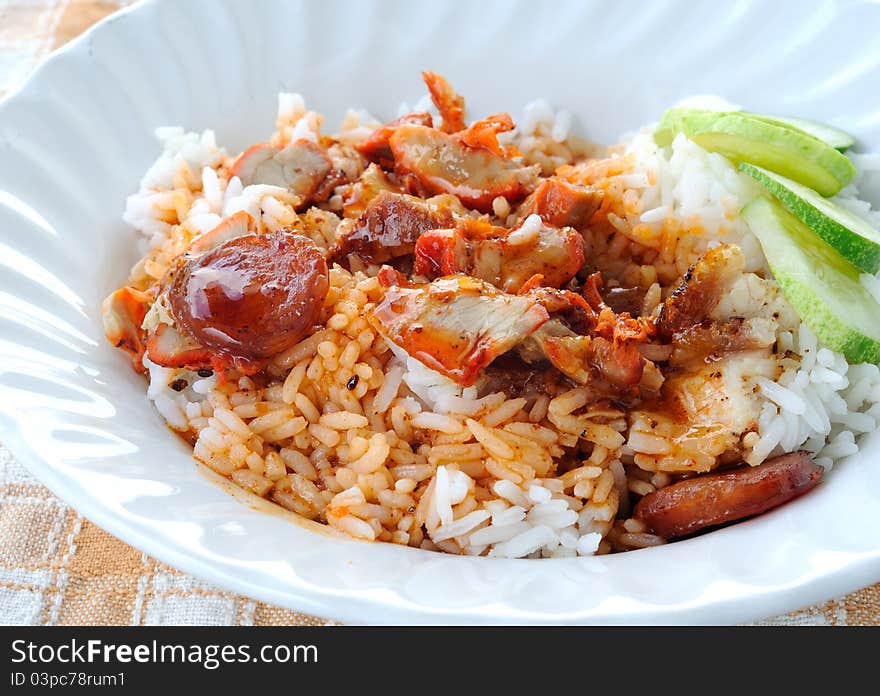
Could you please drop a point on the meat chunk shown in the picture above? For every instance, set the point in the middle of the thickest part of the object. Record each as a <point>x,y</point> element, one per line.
<point>701,415</point>
<point>613,325</point>
<point>370,184</point>
<point>590,344</point>
<point>251,297</point>
<point>302,166</point>
<point>705,501</point>
<point>433,162</point>
<point>236,225</point>
<point>168,346</point>
<point>449,103</point>
<point>621,364</point>
<point>613,368</point>
<point>484,134</point>
<point>701,289</point>
<point>257,163</point>
<point>123,313</point>
<point>567,306</point>
<point>390,226</point>
<point>562,347</point>
<point>505,258</point>
<point>455,325</point>
<point>628,300</point>
<point>562,204</point>
<point>537,248</point>
<point>376,148</point>
<point>515,377</point>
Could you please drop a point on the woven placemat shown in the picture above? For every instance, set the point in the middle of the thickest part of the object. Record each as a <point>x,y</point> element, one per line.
<point>56,567</point>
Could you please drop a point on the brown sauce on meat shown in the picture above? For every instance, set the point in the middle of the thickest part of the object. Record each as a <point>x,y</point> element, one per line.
<point>515,377</point>
<point>628,300</point>
<point>390,226</point>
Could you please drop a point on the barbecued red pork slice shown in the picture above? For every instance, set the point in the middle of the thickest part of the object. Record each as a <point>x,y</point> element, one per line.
<point>236,225</point>
<point>301,166</point>
<point>505,258</point>
<point>586,359</point>
<point>591,344</point>
<point>484,134</point>
<point>562,204</point>
<point>455,325</point>
<point>567,306</point>
<point>256,164</point>
<point>123,313</point>
<point>376,147</point>
<point>370,184</point>
<point>168,346</point>
<point>433,162</point>
<point>391,224</point>
<point>536,248</point>
<point>449,103</point>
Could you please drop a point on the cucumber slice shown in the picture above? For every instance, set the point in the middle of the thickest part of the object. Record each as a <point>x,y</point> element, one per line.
<point>855,239</point>
<point>742,137</point>
<point>821,285</point>
<point>836,138</point>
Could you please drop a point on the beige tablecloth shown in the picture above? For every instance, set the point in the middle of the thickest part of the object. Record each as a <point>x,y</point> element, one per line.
<point>56,567</point>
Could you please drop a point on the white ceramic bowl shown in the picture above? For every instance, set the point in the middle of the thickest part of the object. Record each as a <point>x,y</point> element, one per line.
<point>76,139</point>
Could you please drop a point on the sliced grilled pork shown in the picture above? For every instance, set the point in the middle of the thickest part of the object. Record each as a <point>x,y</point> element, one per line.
<point>505,258</point>
<point>456,325</point>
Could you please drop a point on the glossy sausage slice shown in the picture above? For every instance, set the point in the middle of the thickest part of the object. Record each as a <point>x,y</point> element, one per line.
<point>251,297</point>
<point>693,504</point>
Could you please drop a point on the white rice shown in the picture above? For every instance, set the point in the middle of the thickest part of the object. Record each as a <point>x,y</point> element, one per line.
<point>818,403</point>
<point>193,150</point>
<point>436,390</point>
<point>536,523</point>
<point>693,184</point>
